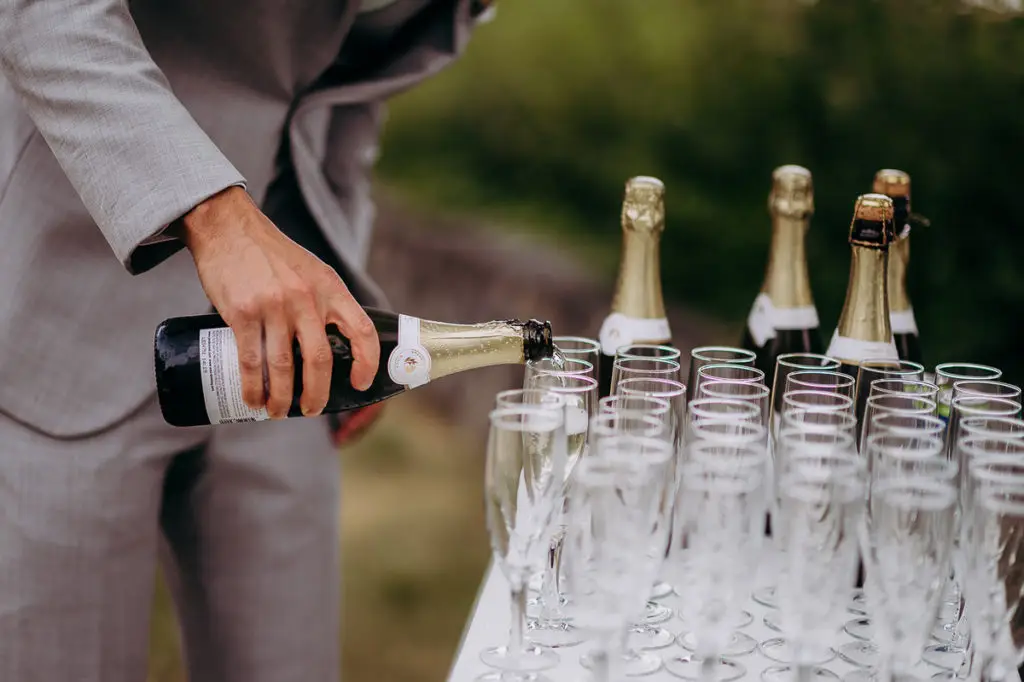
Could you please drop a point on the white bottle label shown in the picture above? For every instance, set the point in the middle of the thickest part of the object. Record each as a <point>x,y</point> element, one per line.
<point>804,317</point>
<point>855,350</point>
<point>577,420</point>
<point>759,321</point>
<point>409,363</point>
<point>903,322</point>
<point>222,379</point>
<point>621,330</point>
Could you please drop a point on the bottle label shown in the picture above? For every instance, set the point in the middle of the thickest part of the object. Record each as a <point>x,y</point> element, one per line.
<point>222,379</point>
<point>759,321</point>
<point>409,363</point>
<point>804,317</point>
<point>903,322</point>
<point>845,348</point>
<point>621,330</point>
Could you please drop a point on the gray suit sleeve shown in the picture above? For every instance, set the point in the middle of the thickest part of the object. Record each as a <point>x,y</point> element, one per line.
<point>134,154</point>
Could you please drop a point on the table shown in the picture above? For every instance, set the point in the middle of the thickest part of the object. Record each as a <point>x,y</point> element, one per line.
<point>488,626</point>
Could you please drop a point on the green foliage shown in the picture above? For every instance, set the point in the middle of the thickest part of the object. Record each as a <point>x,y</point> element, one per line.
<point>558,101</point>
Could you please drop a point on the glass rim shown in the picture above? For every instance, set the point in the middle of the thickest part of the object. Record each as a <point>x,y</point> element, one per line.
<point>797,435</point>
<point>1006,500</point>
<point>934,421</point>
<point>589,366</point>
<point>498,417</point>
<point>977,466</point>
<point>942,367</point>
<point>737,453</point>
<point>673,365</point>
<point>845,456</point>
<point>758,374</point>
<point>957,403</point>
<point>697,404</point>
<point>842,400</point>
<point>677,389</point>
<point>966,423</point>
<point>759,387</point>
<point>544,394</point>
<point>970,445</point>
<point>906,382</point>
<point>941,488</point>
<point>582,340</point>
<point>673,352</point>
<point>878,398</point>
<point>848,419</point>
<point>597,425</point>
<point>612,470</point>
<point>744,354</point>
<point>785,359</point>
<point>824,372</point>
<point>989,382</point>
<point>931,451</point>
<point>703,426</point>
<point>697,475</point>
<point>588,384</point>
<point>897,367</point>
<point>662,406</point>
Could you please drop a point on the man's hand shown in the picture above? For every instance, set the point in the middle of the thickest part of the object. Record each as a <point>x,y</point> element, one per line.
<point>270,290</point>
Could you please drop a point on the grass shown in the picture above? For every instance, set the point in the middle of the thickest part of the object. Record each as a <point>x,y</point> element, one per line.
<point>414,548</point>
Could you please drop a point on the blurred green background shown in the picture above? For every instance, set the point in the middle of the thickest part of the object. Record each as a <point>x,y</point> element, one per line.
<point>557,102</point>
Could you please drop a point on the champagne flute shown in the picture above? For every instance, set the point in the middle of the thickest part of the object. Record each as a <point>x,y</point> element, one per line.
<point>547,367</point>
<point>524,474</point>
<point>948,373</point>
<point>821,380</point>
<point>872,370</point>
<point>580,348</point>
<point>728,372</point>
<point>786,364</point>
<point>643,368</point>
<point>709,355</point>
<point>648,350</point>
<point>924,389</point>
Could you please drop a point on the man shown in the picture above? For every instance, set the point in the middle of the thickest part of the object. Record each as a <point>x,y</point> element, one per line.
<point>166,125</point>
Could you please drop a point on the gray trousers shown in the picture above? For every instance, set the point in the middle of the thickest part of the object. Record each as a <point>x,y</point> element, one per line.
<point>245,523</point>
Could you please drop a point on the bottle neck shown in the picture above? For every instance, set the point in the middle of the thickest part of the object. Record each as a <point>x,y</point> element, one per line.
<point>786,281</point>
<point>865,315</point>
<point>899,259</point>
<point>457,348</point>
<point>638,291</point>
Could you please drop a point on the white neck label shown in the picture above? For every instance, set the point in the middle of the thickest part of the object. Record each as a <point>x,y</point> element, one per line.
<point>903,322</point>
<point>855,350</point>
<point>765,319</point>
<point>409,363</point>
<point>621,330</point>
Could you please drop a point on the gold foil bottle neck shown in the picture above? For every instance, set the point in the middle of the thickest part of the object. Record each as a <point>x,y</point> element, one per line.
<point>792,192</point>
<point>872,224</point>
<point>892,183</point>
<point>643,207</point>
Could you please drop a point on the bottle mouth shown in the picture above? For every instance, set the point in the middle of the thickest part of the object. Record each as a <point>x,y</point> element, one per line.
<point>538,340</point>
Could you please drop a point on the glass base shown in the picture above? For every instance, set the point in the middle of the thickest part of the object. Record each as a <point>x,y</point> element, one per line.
<point>948,676</point>
<point>553,634</point>
<point>497,676</point>
<point>859,628</point>
<point>661,590</point>
<point>740,644</point>
<point>766,597</point>
<point>778,650</point>
<point>787,673</point>
<point>690,668</point>
<point>740,621</point>
<point>865,675</point>
<point>858,603</point>
<point>648,637</point>
<point>632,664</point>
<point>655,614</point>
<point>531,659</point>
<point>945,656</point>
<point>860,654</point>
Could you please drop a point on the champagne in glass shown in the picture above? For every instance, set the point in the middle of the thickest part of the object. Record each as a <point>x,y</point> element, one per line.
<point>784,318</point>
<point>896,185</point>
<point>864,331</point>
<point>638,308</point>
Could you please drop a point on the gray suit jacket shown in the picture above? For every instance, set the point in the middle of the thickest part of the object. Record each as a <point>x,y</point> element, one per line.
<point>125,118</point>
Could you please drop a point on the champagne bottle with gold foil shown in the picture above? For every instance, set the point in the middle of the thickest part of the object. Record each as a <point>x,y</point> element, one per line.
<point>784,318</point>
<point>198,380</point>
<point>638,308</point>
<point>896,185</point>
<point>864,331</point>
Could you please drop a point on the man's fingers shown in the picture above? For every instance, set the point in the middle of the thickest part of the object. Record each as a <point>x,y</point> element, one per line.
<point>278,337</point>
<point>317,362</point>
<point>353,322</point>
<point>249,338</point>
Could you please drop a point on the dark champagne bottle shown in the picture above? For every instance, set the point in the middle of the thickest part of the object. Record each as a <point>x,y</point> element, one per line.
<point>198,379</point>
<point>864,331</point>
<point>896,185</point>
<point>784,318</point>
<point>638,307</point>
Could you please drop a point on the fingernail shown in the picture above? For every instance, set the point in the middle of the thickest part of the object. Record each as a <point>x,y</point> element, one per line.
<point>305,411</point>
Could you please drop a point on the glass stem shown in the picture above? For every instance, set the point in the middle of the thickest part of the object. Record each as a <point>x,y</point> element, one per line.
<point>804,672</point>
<point>550,598</point>
<point>707,669</point>
<point>622,642</point>
<point>607,659</point>
<point>516,639</point>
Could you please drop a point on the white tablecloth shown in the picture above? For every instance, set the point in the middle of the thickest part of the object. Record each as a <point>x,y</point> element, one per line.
<point>488,626</point>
